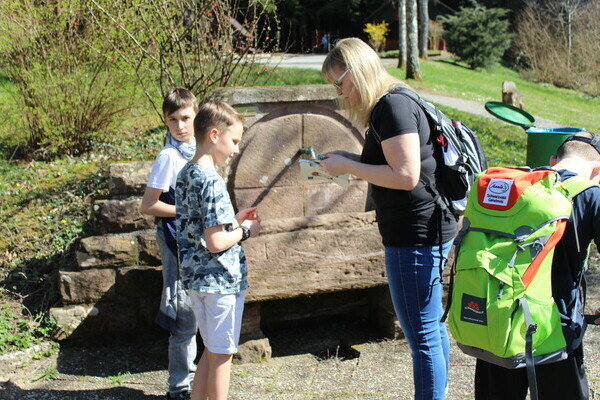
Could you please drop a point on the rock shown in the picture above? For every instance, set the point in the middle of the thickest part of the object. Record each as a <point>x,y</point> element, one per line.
<point>108,250</point>
<point>129,178</point>
<point>253,350</point>
<point>510,95</point>
<point>86,286</point>
<point>120,215</point>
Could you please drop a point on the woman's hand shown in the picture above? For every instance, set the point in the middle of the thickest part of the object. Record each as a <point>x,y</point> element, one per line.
<point>349,155</point>
<point>334,163</point>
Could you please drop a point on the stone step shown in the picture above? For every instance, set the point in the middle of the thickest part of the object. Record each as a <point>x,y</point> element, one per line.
<point>118,250</point>
<point>129,178</point>
<point>121,214</point>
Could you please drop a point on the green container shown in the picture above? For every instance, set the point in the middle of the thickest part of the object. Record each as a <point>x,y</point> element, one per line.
<point>542,143</point>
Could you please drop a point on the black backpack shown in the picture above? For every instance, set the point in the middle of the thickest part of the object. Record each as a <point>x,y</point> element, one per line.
<point>458,153</point>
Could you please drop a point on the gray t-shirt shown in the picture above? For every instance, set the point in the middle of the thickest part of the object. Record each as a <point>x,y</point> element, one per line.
<point>202,201</point>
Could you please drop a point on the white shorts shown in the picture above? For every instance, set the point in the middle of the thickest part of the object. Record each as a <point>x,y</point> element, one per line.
<point>219,318</point>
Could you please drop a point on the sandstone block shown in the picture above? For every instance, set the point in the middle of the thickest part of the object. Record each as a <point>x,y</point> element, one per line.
<point>308,262</point>
<point>253,351</point>
<point>269,151</point>
<point>86,286</point>
<point>139,282</point>
<point>279,202</point>
<point>129,178</point>
<point>346,220</point>
<point>87,320</point>
<point>251,319</point>
<point>108,250</point>
<point>69,318</point>
<point>120,215</point>
<point>148,250</point>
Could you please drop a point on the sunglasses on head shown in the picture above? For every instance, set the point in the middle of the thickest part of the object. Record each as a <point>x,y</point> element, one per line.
<point>594,141</point>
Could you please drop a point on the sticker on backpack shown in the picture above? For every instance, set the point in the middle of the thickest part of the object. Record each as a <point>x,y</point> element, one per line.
<point>498,192</point>
<point>473,309</point>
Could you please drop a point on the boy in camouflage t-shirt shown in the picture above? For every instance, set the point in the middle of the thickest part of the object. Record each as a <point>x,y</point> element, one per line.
<point>211,258</point>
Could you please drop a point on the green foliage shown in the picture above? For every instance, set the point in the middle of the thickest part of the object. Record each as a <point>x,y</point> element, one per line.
<point>49,373</point>
<point>478,35</point>
<point>17,333</point>
<point>118,379</point>
<point>449,78</point>
<point>67,97</point>
<point>377,34</point>
<point>200,45</point>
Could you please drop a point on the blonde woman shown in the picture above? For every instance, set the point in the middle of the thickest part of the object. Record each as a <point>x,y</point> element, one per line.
<point>417,234</point>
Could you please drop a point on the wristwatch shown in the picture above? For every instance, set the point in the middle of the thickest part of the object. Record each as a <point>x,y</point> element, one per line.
<point>245,232</point>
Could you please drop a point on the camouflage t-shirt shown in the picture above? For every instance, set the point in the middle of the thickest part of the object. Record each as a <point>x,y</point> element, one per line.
<point>202,201</point>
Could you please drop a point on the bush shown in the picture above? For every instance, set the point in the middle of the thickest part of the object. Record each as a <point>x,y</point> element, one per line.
<point>198,45</point>
<point>558,43</point>
<point>477,35</point>
<point>377,34</point>
<point>68,97</point>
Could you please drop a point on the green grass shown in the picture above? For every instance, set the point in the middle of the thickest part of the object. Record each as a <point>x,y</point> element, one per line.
<point>562,105</point>
<point>17,333</point>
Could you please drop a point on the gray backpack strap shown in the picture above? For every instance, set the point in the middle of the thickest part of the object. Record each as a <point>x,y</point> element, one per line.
<point>529,362</point>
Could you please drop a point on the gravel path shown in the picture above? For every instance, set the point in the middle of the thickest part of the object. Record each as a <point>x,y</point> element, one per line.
<point>307,364</point>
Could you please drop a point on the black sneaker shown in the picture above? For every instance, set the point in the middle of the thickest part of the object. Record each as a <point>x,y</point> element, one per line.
<point>180,396</point>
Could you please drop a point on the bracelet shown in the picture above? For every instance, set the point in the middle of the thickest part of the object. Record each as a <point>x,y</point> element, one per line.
<point>245,232</point>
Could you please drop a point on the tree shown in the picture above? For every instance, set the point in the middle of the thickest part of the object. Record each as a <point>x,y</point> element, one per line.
<point>402,34</point>
<point>199,45</point>
<point>423,28</point>
<point>69,98</point>
<point>556,42</point>
<point>413,68</point>
<point>477,35</point>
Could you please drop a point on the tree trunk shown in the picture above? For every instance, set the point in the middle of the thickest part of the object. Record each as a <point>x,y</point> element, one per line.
<point>402,34</point>
<point>423,28</point>
<point>413,69</point>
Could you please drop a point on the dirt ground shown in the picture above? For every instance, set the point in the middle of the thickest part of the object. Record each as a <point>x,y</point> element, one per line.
<point>337,359</point>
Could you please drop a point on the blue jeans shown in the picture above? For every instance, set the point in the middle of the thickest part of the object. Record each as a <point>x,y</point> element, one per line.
<point>182,341</point>
<point>416,291</point>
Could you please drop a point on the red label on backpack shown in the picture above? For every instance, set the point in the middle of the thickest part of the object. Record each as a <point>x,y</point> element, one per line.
<point>500,188</point>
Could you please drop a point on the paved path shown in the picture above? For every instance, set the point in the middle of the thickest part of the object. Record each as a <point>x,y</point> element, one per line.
<point>314,61</point>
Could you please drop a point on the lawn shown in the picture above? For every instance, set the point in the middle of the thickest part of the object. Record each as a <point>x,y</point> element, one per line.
<point>566,106</point>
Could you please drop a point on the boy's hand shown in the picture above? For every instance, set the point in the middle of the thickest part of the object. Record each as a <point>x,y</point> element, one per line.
<point>248,214</point>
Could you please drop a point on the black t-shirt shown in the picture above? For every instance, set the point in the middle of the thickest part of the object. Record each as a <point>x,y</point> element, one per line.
<point>405,218</point>
<point>570,258</point>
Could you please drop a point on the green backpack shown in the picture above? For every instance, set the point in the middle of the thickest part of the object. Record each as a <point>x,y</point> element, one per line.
<point>501,308</point>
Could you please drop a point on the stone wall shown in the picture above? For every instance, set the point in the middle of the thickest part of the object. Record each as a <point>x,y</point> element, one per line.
<point>317,237</point>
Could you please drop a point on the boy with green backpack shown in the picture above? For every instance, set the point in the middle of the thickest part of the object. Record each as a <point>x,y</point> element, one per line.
<point>516,302</point>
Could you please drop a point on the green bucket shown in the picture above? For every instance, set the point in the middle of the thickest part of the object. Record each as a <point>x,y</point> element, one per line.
<point>542,143</point>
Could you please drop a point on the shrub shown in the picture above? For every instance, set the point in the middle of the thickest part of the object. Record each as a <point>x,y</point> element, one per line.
<point>377,34</point>
<point>558,43</point>
<point>68,97</point>
<point>477,35</point>
<point>199,45</point>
